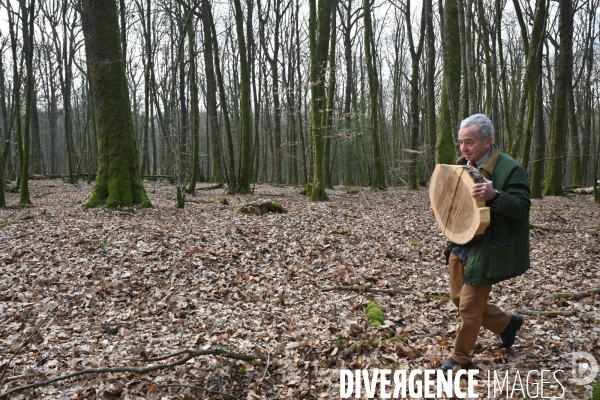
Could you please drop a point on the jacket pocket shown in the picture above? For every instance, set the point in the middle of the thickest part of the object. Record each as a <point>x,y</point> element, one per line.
<point>503,260</point>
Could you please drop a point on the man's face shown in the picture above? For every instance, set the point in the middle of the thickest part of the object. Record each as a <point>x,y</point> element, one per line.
<point>471,145</point>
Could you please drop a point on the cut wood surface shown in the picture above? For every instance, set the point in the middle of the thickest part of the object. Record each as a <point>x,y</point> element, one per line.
<point>458,214</point>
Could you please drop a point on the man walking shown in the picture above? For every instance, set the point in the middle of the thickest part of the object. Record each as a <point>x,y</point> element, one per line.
<point>502,252</point>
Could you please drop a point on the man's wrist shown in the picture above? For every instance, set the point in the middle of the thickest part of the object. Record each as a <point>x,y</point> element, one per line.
<point>496,197</point>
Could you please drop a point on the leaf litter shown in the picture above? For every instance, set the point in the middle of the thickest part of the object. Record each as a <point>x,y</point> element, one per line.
<point>130,284</point>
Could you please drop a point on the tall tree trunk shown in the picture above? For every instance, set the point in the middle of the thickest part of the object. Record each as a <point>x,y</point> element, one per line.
<point>6,129</point>
<point>415,55</point>
<point>195,120</point>
<point>211,100</point>
<point>230,172</point>
<point>447,141</point>
<point>470,57</point>
<point>246,112</point>
<point>348,179</point>
<point>430,83</point>
<point>37,155</point>
<point>327,122</point>
<point>28,15</point>
<point>539,150</point>
<point>563,77</point>
<point>370,56</point>
<point>118,181</point>
<point>319,34</point>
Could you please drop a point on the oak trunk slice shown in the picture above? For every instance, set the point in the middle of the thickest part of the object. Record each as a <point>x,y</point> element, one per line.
<point>460,216</point>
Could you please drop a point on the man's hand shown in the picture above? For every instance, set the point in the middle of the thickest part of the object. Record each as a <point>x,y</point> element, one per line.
<point>484,191</point>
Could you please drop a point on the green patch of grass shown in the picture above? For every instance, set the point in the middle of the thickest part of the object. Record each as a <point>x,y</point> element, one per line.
<point>38,196</point>
<point>561,295</point>
<point>352,191</point>
<point>349,216</point>
<point>415,244</point>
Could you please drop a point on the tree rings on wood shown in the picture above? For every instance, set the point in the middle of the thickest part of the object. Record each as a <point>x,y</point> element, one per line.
<point>460,216</point>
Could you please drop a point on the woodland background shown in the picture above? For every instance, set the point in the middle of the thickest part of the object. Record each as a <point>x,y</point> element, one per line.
<point>333,91</point>
<point>216,98</point>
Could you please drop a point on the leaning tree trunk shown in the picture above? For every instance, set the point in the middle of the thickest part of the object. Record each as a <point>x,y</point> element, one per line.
<point>118,181</point>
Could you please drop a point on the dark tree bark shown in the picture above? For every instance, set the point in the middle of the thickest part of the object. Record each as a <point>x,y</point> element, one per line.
<point>37,166</point>
<point>446,146</point>
<point>118,181</point>
<point>563,77</point>
<point>415,55</point>
<point>6,129</point>
<point>27,17</point>
<point>430,83</point>
<point>211,100</point>
<point>378,165</point>
<point>246,111</point>
<point>319,34</point>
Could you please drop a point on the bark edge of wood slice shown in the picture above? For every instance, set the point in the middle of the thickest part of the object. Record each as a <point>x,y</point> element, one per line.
<point>460,217</point>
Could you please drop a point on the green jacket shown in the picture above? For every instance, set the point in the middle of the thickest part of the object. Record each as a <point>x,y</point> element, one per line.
<point>503,250</point>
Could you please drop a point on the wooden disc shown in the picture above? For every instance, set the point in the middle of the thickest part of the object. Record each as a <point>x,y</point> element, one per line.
<point>458,214</point>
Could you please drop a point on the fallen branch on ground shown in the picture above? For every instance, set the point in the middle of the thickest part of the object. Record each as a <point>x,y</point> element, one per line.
<point>363,289</point>
<point>543,228</point>
<point>559,313</point>
<point>24,343</point>
<point>208,391</point>
<point>190,354</point>
<point>577,295</point>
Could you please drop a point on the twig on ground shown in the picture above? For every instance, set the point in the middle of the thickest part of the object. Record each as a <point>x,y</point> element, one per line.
<point>362,289</point>
<point>46,318</point>
<point>191,353</point>
<point>209,391</point>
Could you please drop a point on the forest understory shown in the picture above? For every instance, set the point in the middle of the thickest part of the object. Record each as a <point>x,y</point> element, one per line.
<point>108,289</point>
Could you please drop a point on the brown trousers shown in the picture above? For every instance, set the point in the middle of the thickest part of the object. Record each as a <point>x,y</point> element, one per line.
<point>475,311</point>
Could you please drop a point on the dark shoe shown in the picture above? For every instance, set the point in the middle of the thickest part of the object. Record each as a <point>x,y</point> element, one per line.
<point>507,337</point>
<point>449,364</point>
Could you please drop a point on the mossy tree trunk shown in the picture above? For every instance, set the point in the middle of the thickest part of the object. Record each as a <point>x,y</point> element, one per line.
<point>446,148</point>
<point>319,33</point>
<point>563,76</point>
<point>118,181</point>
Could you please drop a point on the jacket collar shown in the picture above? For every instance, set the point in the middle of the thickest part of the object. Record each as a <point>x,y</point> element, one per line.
<point>488,168</point>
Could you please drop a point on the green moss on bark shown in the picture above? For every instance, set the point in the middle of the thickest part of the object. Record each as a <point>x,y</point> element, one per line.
<point>118,182</point>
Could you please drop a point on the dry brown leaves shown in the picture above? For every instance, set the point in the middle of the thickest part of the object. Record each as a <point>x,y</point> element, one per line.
<point>162,280</point>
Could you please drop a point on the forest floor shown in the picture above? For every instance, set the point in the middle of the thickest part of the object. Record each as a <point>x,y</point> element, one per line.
<point>112,289</point>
